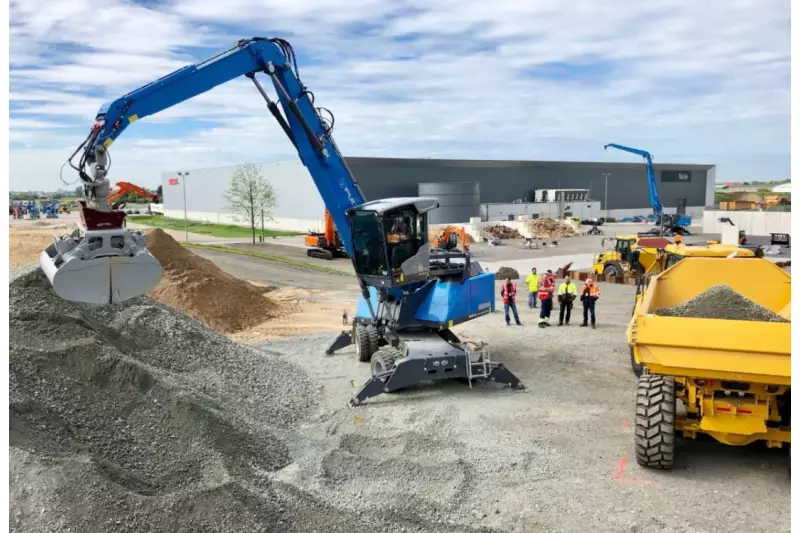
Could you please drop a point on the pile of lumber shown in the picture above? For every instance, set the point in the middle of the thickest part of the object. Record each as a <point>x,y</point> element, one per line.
<point>549,228</point>
<point>502,232</point>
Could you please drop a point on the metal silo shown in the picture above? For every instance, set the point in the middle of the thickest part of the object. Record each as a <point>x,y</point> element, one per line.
<point>458,201</point>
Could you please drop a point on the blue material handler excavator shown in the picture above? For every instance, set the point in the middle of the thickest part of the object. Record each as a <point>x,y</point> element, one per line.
<point>410,298</point>
<point>666,224</point>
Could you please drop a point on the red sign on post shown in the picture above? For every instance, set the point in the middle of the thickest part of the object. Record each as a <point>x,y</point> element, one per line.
<point>173,181</point>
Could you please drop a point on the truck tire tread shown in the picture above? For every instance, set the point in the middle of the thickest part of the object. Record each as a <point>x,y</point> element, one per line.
<point>655,421</point>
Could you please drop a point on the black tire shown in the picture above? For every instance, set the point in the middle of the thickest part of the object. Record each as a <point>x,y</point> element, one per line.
<point>612,269</point>
<point>638,368</point>
<point>361,339</point>
<point>384,359</point>
<point>374,339</point>
<point>655,422</point>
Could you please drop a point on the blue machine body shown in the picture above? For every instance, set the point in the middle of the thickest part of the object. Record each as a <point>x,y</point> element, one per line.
<point>445,303</point>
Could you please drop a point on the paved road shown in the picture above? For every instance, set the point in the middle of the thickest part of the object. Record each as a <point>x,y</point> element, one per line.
<point>279,274</point>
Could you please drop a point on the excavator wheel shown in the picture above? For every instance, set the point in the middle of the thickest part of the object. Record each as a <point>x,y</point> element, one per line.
<point>655,421</point>
<point>320,253</point>
<point>374,338</point>
<point>384,359</point>
<point>363,342</point>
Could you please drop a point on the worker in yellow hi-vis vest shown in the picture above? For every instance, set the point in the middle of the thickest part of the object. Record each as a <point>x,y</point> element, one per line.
<point>567,293</point>
<point>532,281</point>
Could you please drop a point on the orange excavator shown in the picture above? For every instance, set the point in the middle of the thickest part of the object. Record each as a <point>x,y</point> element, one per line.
<point>122,188</point>
<point>325,245</point>
<point>450,238</point>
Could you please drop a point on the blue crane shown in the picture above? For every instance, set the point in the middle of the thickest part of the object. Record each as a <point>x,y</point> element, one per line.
<point>666,223</point>
<point>411,296</point>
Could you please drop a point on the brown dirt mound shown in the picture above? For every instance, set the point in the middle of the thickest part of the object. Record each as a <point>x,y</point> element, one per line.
<point>200,289</point>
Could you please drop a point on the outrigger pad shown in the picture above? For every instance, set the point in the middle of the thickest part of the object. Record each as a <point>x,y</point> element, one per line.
<point>501,374</point>
<point>413,371</point>
<point>342,341</point>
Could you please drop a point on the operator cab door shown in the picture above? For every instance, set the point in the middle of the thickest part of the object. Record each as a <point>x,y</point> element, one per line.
<point>623,248</point>
<point>390,248</point>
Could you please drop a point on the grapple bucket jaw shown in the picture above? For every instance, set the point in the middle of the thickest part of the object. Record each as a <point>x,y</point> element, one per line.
<point>101,267</point>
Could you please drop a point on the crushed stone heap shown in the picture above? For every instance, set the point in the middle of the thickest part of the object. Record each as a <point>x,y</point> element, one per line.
<point>723,303</point>
<point>137,418</point>
<point>200,289</point>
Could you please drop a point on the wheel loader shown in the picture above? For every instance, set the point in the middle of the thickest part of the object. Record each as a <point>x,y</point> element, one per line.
<point>631,253</point>
<point>729,379</point>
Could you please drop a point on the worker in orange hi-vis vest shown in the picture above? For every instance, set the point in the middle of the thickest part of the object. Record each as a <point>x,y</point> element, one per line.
<point>547,286</point>
<point>589,295</point>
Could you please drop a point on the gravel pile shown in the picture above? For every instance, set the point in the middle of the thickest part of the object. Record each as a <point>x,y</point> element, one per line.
<point>138,418</point>
<point>723,303</point>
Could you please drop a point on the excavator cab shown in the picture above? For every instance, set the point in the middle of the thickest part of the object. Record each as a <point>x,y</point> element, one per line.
<point>390,241</point>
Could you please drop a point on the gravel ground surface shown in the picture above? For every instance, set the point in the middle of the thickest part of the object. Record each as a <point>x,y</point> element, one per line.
<point>558,457</point>
<point>138,419</point>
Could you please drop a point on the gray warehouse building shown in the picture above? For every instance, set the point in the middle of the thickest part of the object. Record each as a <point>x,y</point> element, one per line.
<point>493,190</point>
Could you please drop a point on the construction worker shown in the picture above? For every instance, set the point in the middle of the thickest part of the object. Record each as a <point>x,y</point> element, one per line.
<point>567,293</point>
<point>509,293</point>
<point>532,280</point>
<point>589,295</point>
<point>547,286</point>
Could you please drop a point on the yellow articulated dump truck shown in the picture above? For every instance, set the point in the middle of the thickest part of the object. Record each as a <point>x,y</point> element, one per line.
<point>714,338</point>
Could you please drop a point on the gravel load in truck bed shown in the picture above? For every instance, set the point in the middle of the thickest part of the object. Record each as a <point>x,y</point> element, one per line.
<point>723,303</point>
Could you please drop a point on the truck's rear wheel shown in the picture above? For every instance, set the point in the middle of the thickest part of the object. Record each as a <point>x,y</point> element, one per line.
<point>655,421</point>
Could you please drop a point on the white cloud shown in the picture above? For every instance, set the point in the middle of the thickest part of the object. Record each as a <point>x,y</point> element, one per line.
<point>689,81</point>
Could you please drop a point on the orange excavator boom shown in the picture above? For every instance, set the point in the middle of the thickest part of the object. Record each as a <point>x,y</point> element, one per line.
<point>123,187</point>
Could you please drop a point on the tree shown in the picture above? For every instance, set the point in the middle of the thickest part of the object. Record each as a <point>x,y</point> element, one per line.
<point>250,196</point>
<point>160,193</point>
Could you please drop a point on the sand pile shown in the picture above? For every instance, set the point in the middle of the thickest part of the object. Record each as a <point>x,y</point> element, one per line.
<point>200,289</point>
<point>723,303</point>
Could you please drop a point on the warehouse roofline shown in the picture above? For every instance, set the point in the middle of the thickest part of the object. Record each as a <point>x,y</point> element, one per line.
<point>499,163</point>
<point>480,163</point>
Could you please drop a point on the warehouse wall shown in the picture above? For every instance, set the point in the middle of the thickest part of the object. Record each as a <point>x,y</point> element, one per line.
<point>505,181</point>
<point>300,206</point>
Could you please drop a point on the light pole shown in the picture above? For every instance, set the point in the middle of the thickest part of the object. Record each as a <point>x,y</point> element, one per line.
<point>183,175</point>
<point>605,202</point>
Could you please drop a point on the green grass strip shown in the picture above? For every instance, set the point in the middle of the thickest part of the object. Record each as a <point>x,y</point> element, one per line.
<point>228,231</point>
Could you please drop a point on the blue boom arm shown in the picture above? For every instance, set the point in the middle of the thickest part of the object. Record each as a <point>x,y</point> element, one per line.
<point>655,200</point>
<point>303,124</point>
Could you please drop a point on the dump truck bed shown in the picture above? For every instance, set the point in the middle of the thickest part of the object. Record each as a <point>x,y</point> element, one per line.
<point>736,350</point>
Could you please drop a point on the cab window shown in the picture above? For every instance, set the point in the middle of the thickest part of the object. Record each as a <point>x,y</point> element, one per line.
<point>405,231</point>
<point>368,241</point>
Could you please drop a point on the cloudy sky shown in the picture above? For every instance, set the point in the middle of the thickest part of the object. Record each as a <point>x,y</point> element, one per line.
<point>693,82</point>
